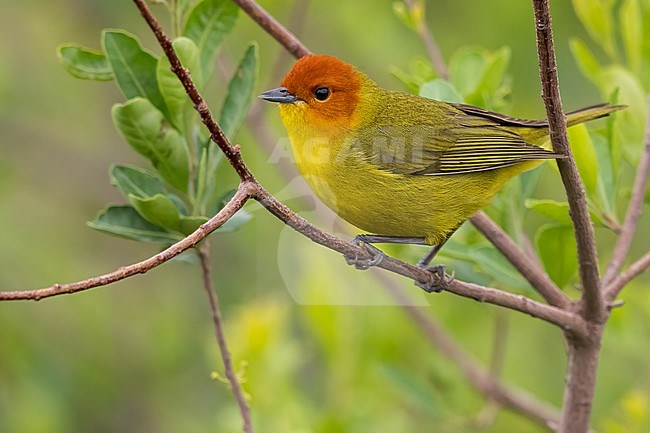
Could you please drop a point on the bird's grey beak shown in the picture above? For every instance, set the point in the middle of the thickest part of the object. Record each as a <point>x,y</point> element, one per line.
<point>281,95</point>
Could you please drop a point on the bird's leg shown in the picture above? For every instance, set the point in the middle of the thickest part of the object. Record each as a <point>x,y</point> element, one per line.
<point>424,261</point>
<point>367,241</point>
<point>380,239</point>
<point>439,279</point>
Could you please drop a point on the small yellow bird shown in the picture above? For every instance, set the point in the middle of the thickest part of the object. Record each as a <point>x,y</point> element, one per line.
<point>405,168</point>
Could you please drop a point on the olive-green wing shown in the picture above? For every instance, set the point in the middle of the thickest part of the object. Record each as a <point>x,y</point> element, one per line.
<point>462,143</point>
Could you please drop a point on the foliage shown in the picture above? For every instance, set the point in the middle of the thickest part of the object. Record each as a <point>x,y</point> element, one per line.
<point>157,121</point>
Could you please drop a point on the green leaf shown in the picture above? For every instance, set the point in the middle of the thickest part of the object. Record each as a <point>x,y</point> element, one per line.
<point>630,92</point>
<point>420,72</point>
<point>596,16</point>
<point>585,156</point>
<point>240,93</point>
<point>141,125</point>
<point>235,223</point>
<point>207,25</point>
<point>496,67</point>
<point>585,59</point>
<point>134,68</point>
<point>488,262</point>
<point>441,90</point>
<point>613,134</point>
<point>645,46</point>
<point>171,88</point>
<point>158,209</point>
<point>189,224</point>
<point>403,14</point>
<point>466,67</point>
<point>84,63</point>
<point>606,175</point>
<point>631,26</point>
<point>420,394</point>
<point>126,222</point>
<point>135,181</point>
<point>220,202</point>
<point>557,211</point>
<point>556,246</point>
<point>201,178</point>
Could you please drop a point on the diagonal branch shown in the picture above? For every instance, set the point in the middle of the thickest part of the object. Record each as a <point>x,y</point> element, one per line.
<point>527,267</point>
<point>633,271</point>
<point>235,385</point>
<point>237,202</point>
<point>578,210</point>
<point>231,152</point>
<point>273,28</point>
<point>510,397</point>
<point>633,211</point>
<point>428,39</point>
<point>564,319</point>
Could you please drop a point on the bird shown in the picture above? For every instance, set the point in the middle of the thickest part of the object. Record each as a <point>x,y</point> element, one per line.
<point>404,168</point>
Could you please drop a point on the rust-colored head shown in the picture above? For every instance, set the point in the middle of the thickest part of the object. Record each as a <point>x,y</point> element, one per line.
<point>324,86</point>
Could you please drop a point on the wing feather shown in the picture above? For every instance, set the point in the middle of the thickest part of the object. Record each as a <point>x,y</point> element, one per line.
<point>466,140</point>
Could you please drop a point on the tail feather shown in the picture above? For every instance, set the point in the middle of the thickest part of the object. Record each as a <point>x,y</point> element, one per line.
<point>591,113</point>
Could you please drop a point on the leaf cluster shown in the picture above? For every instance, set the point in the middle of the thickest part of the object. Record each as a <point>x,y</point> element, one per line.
<point>179,190</point>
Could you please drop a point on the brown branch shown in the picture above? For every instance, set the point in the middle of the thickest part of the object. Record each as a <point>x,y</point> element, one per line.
<point>231,152</point>
<point>429,41</point>
<point>274,28</point>
<point>633,271</point>
<point>634,209</point>
<point>583,350</point>
<point>584,231</point>
<point>564,319</point>
<point>510,397</point>
<point>527,267</point>
<point>236,203</point>
<point>235,386</point>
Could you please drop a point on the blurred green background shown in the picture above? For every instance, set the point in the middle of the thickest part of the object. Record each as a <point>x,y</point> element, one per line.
<point>138,356</point>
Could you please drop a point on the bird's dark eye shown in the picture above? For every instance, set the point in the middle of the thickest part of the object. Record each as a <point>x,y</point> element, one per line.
<point>322,93</point>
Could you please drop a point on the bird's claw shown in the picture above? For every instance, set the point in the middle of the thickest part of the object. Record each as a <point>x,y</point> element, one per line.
<point>377,255</point>
<point>439,280</point>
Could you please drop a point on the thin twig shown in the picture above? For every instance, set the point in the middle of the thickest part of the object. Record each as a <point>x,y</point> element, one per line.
<point>429,40</point>
<point>527,267</point>
<point>507,396</point>
<point>231,152</point>
<point>578,210</point>
<point>557,316</point>
<point>204,256</point>
<point>236,203</point>
<point>274,28</point>
<point>583,350</point>
<point>634,209</point>
<point>633,271</point>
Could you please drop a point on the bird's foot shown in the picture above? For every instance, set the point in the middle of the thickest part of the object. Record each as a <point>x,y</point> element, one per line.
<point>377,255</point>
<point>439,280</point>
